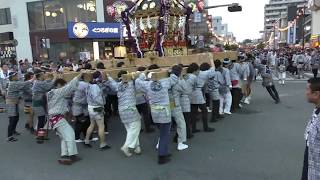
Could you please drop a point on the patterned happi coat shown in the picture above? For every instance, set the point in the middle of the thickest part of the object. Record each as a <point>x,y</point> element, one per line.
<point>157,93</point>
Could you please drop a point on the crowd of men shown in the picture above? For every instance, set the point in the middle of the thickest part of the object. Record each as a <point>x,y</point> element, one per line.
<point>74,109</point>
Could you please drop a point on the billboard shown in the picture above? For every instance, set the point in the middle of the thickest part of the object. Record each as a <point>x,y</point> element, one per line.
<point>292,12</point>
<point>93,30</point>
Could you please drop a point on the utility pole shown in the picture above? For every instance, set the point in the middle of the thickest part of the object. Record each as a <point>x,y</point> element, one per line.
<point>303,22</point>
<point>274,37</point>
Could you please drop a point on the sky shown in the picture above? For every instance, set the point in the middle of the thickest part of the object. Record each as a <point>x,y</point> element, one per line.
<point>245,24</point>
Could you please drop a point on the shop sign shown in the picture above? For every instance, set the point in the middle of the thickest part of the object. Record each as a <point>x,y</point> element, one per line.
<point>93,30</point>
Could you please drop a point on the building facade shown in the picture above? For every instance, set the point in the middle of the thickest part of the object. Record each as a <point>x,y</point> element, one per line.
<point>34,20</point>
<point>314,6</point>
<point>218,27</point>
<point>275,10</point>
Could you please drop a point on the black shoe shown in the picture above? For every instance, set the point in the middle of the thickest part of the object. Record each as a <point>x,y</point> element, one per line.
<point>27,126</point>
<point>209,129</point>
<point>12,139</point>
<point>195,131</point>
<point>32,131</point>
<point>163,160</point>
<point>168,155</point>
<point>16,133</point>
<point>214,120</point>
<point>75,158</point>
<point>277,101</point>
<point>220,116</point>
<point>104,148</point>
<point>87,145</point>
<point>190,136</point>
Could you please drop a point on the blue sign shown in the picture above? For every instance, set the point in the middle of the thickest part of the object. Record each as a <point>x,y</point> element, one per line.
<point>93,30</point>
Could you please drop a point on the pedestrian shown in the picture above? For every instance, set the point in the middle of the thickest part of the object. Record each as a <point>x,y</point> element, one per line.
<point>175,94</point>
<point>3,92</point>
<point>282,70</point>
<point>28,102</point>
<point>235,71</point>
<point>311,170</point>
<point>251,77</point>
<point>157,92</point>
<point>267,82</point>
<point>315,63</point>
<point>190,80</point>
<point>197,98</point>
<point>128,112</point>
<point>40,87</point>
<point>57,108</point>
<point>15,87</point>
<point>244,76</point>
<point>300,60</point>
<point>4,72</point>
<point>96,102</point>
<point>80,110</point>
<point>144,108</point>
<point>224,89</point>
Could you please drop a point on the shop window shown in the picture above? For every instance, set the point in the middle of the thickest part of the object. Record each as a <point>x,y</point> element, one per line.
<point>55,14</point>
<point>55,17</point>
<point>5,16</point>
<point>81,10</point>
<point>36,16</point>
<point>69,50</point>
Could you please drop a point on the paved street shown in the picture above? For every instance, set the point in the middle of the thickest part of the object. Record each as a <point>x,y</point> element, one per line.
<point>263,141</point>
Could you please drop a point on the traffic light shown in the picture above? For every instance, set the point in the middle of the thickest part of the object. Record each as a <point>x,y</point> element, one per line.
<point>43,43</point>
<point>200,5</point>
<point>234,8</point>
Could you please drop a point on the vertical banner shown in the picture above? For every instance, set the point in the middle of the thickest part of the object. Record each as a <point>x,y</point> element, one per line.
<point>197,17</point>
<point>292,34</point>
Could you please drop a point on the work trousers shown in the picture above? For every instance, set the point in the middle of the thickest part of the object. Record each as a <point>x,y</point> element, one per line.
<point>181,125</point>
<point>315,72</point>
<point>13,121</point>
<point>208,100</point>
<point>133,132</point>
<point>304,175</point>
<point>204,113</point>
<point>67,136</point>
<point>164,139</point>
<point>111,106</point>
<point>273,92</point>
<point>41,122</point>
<point>300,72</point>
<point>81,126</point>
<point>236,97</point>
<point>225,102</point>
<point>187,118</point>
<point>215,109</point>
<point>144,111</point>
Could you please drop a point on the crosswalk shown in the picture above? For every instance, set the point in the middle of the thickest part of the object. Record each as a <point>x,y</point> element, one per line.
<point>290,77</point>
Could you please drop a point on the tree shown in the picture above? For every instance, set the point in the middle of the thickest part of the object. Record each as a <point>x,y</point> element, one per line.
<point>247,41</point>
<point>234,47</point>
<point>227,47</point>
<point>260,46</point>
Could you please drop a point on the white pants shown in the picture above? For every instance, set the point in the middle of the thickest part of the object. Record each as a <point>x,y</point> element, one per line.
<point>181,125</point>
<point>66,134</point>
<point>225,102</point>
<point>282,75</point>
<point>133,132</point>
